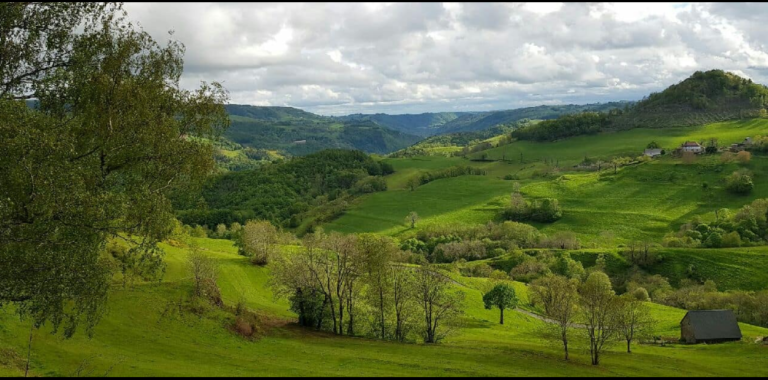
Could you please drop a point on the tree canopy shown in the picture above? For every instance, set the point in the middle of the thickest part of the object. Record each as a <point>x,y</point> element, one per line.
<point>110,134</point>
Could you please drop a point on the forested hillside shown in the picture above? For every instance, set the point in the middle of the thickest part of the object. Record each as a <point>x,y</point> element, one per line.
<point>424,124</point>
<point>485,120</point>
<point>296,132</point>
<point>282,192</point>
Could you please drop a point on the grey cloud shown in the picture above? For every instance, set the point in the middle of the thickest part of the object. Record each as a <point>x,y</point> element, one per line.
<point>338,58</point>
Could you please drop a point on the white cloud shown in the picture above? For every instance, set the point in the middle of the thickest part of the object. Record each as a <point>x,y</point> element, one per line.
<point>335,58</point>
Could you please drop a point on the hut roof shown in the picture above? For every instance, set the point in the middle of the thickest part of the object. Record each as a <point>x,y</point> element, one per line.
<point>714,324</point>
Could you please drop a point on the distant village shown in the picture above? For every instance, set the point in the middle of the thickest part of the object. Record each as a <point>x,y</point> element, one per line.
<point>699,148</point>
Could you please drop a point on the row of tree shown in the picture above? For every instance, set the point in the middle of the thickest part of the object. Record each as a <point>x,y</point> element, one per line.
<point>345,283</point>
<point>592,309</point>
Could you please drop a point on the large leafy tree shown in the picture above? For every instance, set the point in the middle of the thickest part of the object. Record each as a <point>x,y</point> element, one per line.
<point>109,135</point>
<point>502,296</point>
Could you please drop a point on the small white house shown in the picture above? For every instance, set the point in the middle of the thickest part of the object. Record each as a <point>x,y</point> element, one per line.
<point>691,146</point>
<point>652,152</point>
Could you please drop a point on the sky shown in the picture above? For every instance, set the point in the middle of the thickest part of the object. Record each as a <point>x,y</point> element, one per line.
<point>342,58</point>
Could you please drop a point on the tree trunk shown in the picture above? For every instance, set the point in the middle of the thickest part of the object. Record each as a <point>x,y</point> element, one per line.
<point>629,349</point>
<point>565,346</point>
<point>381,308</point>
<point>501,322</point>
<point>29,349</point>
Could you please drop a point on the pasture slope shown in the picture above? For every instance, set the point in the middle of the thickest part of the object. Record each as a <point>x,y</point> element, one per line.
<point>642,201</point>
<point>143,335</point>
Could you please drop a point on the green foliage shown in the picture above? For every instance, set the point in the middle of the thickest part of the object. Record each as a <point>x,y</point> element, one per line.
<point>299,133</point>
<point>277,192</point>
<point>111,134</point>
<point>455,171</point>
<point>485,120</point>
<point>424,124</point>
<point>546,210</point>
<point>705,97</point>
<point>502,297</point>
<point>565,126</point>
<point>739,182</point>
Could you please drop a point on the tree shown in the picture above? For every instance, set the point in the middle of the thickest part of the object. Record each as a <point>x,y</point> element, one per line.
<point>259,240</point>
<point>110,136</point>
<point>440,305</point>
<point>377,252</point>
<point>743,157</point>
<point>412,218</point>
<point>221,230</point>
<point>204,274</point>
<point>412,183</point>
<point>294,279</point>
<point>502,296</point>
<point>568,267</point>
<point>634,318</point>
<point>653,145</point>
<point>546,210</point>
<point>559,297</point>
<point>402,280</point>
<point>599,312</point>
<point>642,253</point>
<point>739,182</point>
<point>322,277</point>
<point>344,267</point>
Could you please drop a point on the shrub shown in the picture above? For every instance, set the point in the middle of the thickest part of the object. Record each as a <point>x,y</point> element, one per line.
<point>453,251</point>
<point>529,270</point>
<point>641,294</point>
<point>727,157</point>
<point>739,182</point>
<point>731,239</point>
<point>562,240</point>
<point>243,327</point>
<point>545,210</point>
<point>743,157</point>
<point>715,240</point>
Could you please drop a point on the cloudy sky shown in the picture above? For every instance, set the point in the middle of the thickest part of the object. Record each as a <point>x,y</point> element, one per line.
<point>339,58</point>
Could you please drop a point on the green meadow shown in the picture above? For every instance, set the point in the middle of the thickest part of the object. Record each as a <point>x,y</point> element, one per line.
<point>631,143</point>
<point>642,201</point>
<point>142,334</point>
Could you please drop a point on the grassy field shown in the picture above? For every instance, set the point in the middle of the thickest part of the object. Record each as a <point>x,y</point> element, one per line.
<point>643,201</point>
<point>142,335</point>
<point>631,143</point>
<point>461,199</point>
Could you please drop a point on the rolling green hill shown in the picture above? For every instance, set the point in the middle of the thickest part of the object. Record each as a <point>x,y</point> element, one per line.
<point>644,201</point>
<point>298,133</point>
<point>704,98</point>
<point>144,334</point>
<point>424,124</point>
<point>485,120</point>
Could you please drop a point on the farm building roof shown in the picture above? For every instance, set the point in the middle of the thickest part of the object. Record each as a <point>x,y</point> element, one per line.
<point>714,324</point>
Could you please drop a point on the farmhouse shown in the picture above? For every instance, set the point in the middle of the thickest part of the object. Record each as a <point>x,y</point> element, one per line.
<point>691,146</point>
<point>299,142</point>
<point>709,326</point>
<point>652,152</point>
<point>738,147</point>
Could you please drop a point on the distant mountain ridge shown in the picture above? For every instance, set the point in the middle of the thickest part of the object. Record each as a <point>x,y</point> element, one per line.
<point>423,124</point>
<point>297,132</point>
